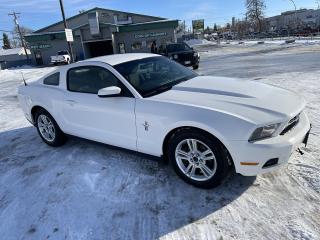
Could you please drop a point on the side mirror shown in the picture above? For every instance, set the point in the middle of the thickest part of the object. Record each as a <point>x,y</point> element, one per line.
<point>109,92</point>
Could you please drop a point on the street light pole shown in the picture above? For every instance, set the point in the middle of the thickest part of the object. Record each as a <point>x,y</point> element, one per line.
<point>66,26</point>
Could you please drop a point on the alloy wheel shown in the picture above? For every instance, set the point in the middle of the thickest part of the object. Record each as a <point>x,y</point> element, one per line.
<point>46,128</point>
<point>195,159</point>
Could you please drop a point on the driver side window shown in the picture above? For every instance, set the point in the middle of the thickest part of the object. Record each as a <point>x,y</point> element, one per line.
<point>90,79</point>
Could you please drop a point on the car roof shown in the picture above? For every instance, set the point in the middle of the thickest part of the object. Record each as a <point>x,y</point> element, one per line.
<point>115,59</point>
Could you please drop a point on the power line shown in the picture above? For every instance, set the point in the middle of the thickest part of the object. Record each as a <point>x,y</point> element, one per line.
<point>15,19</point>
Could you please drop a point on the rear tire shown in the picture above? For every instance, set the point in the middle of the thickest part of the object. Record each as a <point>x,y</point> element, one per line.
<point>204,165</point>
<point>48,129</point>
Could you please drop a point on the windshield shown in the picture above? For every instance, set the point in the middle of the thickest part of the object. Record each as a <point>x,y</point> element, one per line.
<point>151,76</point>
<point>63,53</point>
<point>177,47</point>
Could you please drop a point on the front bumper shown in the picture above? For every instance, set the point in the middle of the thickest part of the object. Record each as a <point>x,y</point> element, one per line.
<point>58,61</point>
<point>189,62</point>
<point>260,152</point>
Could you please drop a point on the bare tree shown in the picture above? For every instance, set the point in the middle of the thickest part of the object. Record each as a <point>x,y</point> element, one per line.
<point>242,27</point>
<point>255,12</point>
<point>16,42</point>
<point>24,30</point>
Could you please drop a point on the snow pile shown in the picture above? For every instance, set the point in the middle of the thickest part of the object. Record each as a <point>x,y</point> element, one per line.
<point>13,51</point>
<point>27,72</point>
<point>194,42</point>
<point>86,190</point>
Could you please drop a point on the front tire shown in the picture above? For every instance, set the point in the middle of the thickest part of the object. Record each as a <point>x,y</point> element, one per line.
<point>198,158</point>
<point>195,67</point>
<point>48,129</point>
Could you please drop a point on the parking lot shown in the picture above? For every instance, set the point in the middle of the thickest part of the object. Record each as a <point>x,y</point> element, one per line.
<point>87,190</point>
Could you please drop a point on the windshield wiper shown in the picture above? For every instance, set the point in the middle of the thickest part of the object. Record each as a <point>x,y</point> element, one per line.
<point>167,87</point>
<point>158,90</point>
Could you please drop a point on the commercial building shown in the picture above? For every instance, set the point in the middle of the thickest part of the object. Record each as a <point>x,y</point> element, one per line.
<point>99,31</point>
<point>301,19</point>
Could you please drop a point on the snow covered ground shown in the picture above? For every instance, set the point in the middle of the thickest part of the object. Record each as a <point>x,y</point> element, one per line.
<point>195,42</point>
<point>87,190</point>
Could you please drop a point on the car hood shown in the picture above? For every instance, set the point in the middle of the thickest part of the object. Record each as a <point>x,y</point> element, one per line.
<point>250,100</point>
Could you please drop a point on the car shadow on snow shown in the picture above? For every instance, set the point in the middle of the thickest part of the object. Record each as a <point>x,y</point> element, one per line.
<point>91,190</point>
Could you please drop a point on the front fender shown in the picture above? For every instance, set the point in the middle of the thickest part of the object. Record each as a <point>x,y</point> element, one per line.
<point>164,117</point>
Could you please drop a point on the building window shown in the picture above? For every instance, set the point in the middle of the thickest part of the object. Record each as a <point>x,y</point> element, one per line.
<point>136,46</point>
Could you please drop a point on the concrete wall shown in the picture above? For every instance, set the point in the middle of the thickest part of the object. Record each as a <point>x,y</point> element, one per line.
<point>129,38</point>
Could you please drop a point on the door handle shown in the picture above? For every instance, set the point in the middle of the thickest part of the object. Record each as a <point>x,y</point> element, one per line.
<point>71,102</point>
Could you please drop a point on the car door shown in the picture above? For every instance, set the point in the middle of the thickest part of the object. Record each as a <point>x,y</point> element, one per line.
<point>109,120</point>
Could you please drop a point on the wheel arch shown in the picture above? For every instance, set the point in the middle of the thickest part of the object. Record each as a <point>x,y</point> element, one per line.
<point>35,109</point>
<point>182,128</point>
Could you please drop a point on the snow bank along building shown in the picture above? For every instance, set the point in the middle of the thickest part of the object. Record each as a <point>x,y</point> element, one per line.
<point>98,32</point>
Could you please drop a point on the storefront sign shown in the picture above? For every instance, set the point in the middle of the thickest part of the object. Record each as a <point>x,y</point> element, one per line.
<point>198,25</point>
<point>150,34</point>
<point>40,46</point>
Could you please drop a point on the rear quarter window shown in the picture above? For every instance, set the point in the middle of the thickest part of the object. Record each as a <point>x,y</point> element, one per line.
<point>52,79</point>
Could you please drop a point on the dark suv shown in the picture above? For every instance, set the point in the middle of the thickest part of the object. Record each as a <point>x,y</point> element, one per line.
<point>183,54</point>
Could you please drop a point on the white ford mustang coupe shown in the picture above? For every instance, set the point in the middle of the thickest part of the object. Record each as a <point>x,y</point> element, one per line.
<point>151,104</point>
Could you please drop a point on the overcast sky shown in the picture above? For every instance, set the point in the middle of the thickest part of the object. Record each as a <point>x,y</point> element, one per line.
<point>39,13</point>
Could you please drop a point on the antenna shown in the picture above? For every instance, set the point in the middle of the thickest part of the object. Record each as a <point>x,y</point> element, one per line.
<point>24,81</point>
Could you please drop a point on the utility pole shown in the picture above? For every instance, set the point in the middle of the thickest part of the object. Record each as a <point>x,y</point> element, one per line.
<point>66,26</point>
<point>15,18</point>
<point>295,14</point>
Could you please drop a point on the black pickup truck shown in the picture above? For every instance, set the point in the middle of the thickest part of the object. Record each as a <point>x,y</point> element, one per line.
<point>183,54</point>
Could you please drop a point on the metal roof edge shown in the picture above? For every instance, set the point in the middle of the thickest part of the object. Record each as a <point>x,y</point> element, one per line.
<point>90,10</point>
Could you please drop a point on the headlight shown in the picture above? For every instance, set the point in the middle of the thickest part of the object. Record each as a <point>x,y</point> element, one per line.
<point>264,132</point>
<point>175,56</point>
<point>196,54</point>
